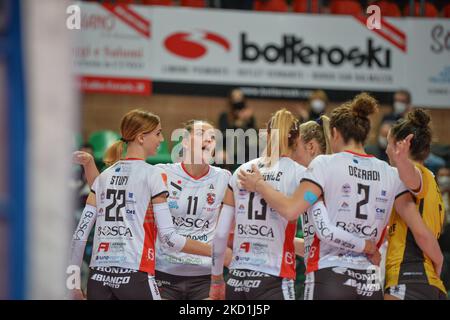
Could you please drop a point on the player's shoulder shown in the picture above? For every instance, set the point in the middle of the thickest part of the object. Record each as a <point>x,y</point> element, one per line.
<point>247,166</point>
<point>324,159</point>
<point>426,173</point>
<point>288,162</point>
<point>217,171</point>
<point>150,168</point>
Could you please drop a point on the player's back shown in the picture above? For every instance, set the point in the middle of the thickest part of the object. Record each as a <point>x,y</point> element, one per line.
<point>125,229</point>
<point>263,239</point>
<point>359,192</point>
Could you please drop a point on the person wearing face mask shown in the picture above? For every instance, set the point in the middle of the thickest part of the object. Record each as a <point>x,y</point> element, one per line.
<point>400,107</point>
<point>239,116</point>
<point>379,149</point>
<point>318,102</point>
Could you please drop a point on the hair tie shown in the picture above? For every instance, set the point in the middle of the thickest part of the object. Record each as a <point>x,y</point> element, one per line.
<point>319,121</point>
<point>123,140</point>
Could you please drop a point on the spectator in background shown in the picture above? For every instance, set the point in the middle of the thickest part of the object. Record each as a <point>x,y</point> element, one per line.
<point>379,149</point>
<point>434,163</point>
<point>302,112</point>
<point>401,106</point>
<point>318,102</point>
<point>443,180</point>
<point>240,116</point>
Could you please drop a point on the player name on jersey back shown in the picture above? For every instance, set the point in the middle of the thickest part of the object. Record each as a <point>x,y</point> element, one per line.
<point>359,192</point>
<point>263,239</point>
<point>125,230</point>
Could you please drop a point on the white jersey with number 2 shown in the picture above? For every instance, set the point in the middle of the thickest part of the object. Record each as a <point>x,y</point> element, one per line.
<point>359,192</point>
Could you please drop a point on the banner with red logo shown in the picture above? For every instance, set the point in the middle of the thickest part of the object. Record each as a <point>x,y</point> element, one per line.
<point>112,50</point>
<point>206,52</point>
<point>300,51</point>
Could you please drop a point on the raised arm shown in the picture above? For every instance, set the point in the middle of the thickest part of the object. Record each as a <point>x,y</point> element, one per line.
<point>407,171</point>
<point>87,161</point>
<point>427,242</point>
<point>290,207</point>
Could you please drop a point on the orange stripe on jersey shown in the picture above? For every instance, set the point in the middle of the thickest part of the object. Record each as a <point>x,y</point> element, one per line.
<point>164,177</point>
<point>382,237</point>
<point>314,256</point>
<point>288,262</point>
<point>148,251</point>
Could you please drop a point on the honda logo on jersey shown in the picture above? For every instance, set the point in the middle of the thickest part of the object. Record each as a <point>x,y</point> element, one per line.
<point>194,45</point>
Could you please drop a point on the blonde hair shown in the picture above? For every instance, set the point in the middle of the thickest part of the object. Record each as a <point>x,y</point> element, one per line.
<point>133,123</point>
<point>319,131</point>
<point>288,130</point>
<point>190,124</point>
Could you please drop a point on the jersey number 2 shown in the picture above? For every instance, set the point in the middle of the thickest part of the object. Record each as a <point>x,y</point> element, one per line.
<point>362,187</point>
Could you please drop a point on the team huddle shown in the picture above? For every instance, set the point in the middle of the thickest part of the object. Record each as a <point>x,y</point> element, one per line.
<point>167,231</point>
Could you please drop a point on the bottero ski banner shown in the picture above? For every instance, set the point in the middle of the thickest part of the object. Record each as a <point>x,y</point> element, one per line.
<point>143,50</point>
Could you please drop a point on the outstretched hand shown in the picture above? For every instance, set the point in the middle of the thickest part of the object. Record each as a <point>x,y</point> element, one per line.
<point>249,180</point>
<point>402,147</point>
<point>82,158</point>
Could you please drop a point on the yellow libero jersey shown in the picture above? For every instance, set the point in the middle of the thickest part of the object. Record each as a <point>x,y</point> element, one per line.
<point>405,262</point>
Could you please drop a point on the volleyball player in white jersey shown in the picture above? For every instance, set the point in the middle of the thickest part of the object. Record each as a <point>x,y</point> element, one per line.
<point>313,141</point>
<point>359,191</point>
<point>129,208</point>
<point>279,251</point>
<point>196,190</point>
<point>263,264</point>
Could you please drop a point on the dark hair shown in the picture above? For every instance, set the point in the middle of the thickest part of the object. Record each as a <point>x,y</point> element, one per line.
<point>406,93</point>
<point>87,145</point>
<point>417,122</point>
<point>351,118</point>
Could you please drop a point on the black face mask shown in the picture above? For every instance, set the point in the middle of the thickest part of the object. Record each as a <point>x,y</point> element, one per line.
<point>237,106</point>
